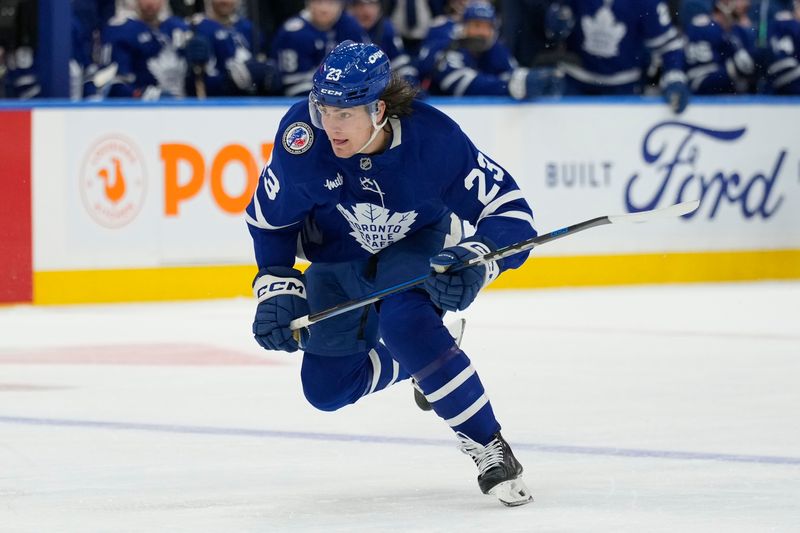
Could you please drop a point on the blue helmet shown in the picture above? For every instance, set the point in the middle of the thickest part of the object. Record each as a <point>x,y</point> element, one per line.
<point>479,11</point>
<point>352,74</point>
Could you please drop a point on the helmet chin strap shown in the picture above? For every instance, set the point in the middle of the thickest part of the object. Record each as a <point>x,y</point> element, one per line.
<point>376,128</point>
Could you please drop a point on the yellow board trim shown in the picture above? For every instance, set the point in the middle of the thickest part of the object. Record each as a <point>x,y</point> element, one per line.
<point>227,281</point>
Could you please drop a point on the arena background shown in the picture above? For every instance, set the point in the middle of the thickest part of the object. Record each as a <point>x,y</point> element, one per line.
<point>176,230</point>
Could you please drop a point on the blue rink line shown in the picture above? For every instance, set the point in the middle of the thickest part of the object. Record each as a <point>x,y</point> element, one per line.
<point>377,439</point>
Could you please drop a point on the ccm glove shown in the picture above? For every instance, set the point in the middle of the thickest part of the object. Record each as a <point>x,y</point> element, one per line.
<point>281,294</point>
<point>455,290</point>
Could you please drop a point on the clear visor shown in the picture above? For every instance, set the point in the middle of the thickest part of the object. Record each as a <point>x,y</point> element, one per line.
<point>317,109</point>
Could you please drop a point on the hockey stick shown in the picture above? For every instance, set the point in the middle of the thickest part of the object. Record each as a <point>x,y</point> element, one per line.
<point>676,210</point>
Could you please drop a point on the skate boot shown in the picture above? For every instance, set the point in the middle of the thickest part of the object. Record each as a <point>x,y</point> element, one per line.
<point>499,472</point>
<point>456,330</point>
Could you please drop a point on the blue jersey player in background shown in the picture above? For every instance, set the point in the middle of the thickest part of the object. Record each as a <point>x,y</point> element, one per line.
<point>783,72</point>
<point>224,53</point>
<point>146,49</point>
<point>303,42</point>
<point>473,62</point>
<point>719,55</point>
<point>372,186</point>
<point>616,41</point>
<point>369,14</point>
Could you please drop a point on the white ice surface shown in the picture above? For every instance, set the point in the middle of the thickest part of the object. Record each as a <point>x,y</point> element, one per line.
<point>672,408</point>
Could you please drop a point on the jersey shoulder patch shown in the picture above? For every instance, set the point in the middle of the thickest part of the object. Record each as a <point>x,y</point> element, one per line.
<point>297,138</point>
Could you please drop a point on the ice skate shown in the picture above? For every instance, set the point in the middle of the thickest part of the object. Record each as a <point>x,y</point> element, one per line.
<point>456,330</point>
<point>499,472</point>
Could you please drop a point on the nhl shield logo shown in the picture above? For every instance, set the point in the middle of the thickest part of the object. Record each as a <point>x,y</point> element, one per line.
<point>298,138</point>
<point>366,163</point>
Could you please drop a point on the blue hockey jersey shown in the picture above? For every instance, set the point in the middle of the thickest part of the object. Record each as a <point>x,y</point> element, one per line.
<point>457,71</point>
<point>783,73</point>
<point>149,61</point>
<point>300,47</point>
<point>616,39</point>
<point>718,62</point>
<point>231,48</point>
<point>339,210</point>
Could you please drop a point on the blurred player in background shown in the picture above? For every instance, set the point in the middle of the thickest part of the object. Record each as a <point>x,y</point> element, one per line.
<point>369,14</point>
<point>304,41</point>
<point>371,185</point>
<point>145,46</point>
<point>616,41</point>
<point>783,72</point>
<point>473,62</point>
<point>222,55</point>
<point>719,54</point>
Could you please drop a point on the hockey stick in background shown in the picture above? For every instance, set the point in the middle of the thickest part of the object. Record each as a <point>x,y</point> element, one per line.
<point>683,208</point>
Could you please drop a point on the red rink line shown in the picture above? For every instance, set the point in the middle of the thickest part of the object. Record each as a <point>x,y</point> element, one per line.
<point>156,354</point>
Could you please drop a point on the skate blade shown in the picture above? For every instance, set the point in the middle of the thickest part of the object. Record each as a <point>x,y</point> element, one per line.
<point>512,493</point>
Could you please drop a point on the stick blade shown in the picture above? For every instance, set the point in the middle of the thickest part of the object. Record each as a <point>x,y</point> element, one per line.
<point>677,210</point>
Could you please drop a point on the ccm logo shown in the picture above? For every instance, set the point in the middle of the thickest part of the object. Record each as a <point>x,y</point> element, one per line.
<point>331,92</point>
<point>281,286</point>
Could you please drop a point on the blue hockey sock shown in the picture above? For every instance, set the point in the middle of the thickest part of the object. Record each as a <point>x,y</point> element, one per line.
<point>455,391</point>
<point>412,329</point>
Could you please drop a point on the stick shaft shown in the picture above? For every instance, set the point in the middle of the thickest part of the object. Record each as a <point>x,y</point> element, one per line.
<point>671,211</point>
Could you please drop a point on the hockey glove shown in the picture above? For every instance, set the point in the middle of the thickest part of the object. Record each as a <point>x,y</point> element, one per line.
<point>531,83</point>
<point>281,295</point>
<point>198,50</point>
<point>455,290</point>
<point>675,91</point>
<point>558,22</point>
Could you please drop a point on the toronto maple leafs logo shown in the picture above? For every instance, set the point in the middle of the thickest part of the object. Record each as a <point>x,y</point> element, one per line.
<point>169,70</point>
<point>602,33</point>
<point>375,227</point>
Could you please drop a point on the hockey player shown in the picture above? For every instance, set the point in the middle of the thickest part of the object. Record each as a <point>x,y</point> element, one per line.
<point>719,56</point>
<point>369,15</point>
<point>616,40</point>
<point>145,47</point>
<point>221,52</point>
<point>783,73</point>
<point>476,63</point>
<point>303,41</point>
<point>357,185</point>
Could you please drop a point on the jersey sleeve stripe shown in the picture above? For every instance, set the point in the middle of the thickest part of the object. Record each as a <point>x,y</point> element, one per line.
<point>260,221</point>
<point>519,215</point>
<point>499,202</point>
<point>676,44</point>
<point>787,78</point>
<point>662,39</point>
<point>784,64</point>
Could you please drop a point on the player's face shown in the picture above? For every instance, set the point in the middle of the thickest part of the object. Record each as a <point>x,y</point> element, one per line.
<point>742,8</point>
<point>348,128</point>
<point>224,8</point>
<point>479,29</point>
<point>366,13</point>
<point>149,9</point>
<point>324,13</point>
